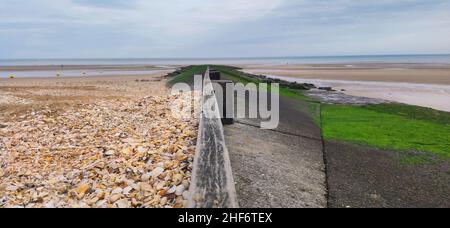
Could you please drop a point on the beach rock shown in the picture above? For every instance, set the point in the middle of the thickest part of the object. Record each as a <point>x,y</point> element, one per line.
<point>127,151</point>
<point>141,149</point>
<point>81,190</point>
<point>127,190</point>
<point>172,190</point>
<point>11,188</point>
<point>185,184</point>
<point>114,198</point>
<point>156,172</point>
<point>123,203</point>
<point>326,88</point>
<point>117,191</point>
<point>146,177</point>
<point>145,187</point>
<point>160,185</point>
<point>162,192</point>
<point>109,153</point>
<point>179,190</point>
<point>163,201</point>
<point>101,204</point>
<point>177,179</point>
<point>135,203</point>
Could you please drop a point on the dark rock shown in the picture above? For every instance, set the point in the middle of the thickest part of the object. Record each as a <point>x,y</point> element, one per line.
<point>326,88</point>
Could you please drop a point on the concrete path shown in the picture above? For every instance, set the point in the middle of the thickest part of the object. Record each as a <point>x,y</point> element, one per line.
<point>278,168</point>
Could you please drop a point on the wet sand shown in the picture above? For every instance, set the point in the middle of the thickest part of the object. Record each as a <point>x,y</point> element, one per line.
<point>409,73</point>
<point>83,67</point>
<point>82,71</point>
<point>426,85</point>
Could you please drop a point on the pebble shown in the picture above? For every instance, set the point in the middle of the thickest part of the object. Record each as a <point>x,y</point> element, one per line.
<point>117,191</point>
<point>172,190</point>
<point>163,201</point>
<point>127,151</point>
<point>127,190</point>
<point>103,154</point>
<point>101,203</point>
<point>177,179</point>
<point>146,177</point>
<point>114,198</point>
<point>123,203</point>
<point>141,149</point>
<point>109,153</point>
<point>179,190</point>
<point>11,188</point>
<point>145,187</point>
<point>50,204</point>
<point>156,172</point>
<point>160,185</point>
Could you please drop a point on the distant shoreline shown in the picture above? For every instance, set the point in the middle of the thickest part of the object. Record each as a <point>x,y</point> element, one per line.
<point>373,72</point>
<point>80,67</point>
<point>420,58</point>
<point>81,71</point>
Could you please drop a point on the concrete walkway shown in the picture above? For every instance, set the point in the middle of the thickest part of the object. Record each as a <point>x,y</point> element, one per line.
<point>283,167</point>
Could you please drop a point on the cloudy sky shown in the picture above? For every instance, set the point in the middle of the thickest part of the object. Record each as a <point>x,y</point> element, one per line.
<point>221,28</point>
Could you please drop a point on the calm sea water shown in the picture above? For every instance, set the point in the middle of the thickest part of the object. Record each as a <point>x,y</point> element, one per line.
<point>168,64</point>
<point>263,60</point>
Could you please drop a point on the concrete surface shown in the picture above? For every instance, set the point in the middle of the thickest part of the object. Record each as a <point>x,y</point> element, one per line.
<point>364,177</point>
<point>280,168</point>
<point>212,182</point>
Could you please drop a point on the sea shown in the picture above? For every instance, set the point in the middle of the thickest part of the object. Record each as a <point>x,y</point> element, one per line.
<point>172,63</point>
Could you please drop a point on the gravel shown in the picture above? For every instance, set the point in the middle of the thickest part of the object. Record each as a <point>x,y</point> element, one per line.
<point>96,152</point>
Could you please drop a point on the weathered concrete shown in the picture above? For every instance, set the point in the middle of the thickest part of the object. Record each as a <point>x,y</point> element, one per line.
<point>283,167</point>
<point>212,183</point>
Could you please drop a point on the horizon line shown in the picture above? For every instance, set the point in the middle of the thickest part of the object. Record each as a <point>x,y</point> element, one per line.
<point>251,57</point>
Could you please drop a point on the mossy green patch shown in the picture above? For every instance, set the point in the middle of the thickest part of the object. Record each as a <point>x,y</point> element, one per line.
<point>413,112</point>
<point>386,130</point>
<point>187,73</point>
<point>232,74</point>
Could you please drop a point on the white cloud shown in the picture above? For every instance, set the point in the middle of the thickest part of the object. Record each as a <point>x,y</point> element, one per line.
<point>175,28</point>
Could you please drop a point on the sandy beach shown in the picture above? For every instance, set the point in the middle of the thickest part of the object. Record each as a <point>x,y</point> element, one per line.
<point>408,73</point>
<point>426,85</point>
<point>93,142</point>
<point>45,71</point>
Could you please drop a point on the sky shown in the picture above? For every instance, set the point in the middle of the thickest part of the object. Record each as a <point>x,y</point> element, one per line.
<point>221,28</point>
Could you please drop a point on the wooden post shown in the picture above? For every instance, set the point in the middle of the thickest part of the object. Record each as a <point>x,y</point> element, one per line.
<point>214,75</point>
<point>226,110</point>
